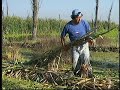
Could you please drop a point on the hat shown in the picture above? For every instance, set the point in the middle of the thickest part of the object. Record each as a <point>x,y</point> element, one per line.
<point>76,12</point>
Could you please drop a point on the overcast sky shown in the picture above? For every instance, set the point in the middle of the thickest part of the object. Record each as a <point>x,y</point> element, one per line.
<point>52,8</point>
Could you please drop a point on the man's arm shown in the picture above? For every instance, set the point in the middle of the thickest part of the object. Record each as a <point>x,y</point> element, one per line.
<point>63,35</point>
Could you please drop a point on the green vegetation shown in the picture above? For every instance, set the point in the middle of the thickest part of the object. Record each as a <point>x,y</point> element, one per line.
<point>16,27</point>
<point>105,64</point>
<point>9,83</point>
<point>18,48</point>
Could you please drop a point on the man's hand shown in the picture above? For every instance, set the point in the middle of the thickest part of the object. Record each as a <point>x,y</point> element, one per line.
<point>91,41</point>
<point>66,47</point>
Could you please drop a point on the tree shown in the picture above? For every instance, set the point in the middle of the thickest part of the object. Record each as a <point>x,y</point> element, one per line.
<point>7,8</point>
<point>96,15</point>
<point>35,4</point>
<point>109,16</point>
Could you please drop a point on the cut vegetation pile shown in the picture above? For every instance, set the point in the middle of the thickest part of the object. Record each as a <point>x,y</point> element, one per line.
<point>61,79</point>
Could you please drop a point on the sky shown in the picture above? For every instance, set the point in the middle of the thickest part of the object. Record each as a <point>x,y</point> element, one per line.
<point>54,8</point>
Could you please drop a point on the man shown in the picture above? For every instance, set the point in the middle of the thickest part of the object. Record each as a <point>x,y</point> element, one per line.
<point>76,28</point>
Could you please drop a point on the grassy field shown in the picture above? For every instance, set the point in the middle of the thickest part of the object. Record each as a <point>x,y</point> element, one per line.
<point>9,83</point>
<point>105,65</point>
<point>18,48</point>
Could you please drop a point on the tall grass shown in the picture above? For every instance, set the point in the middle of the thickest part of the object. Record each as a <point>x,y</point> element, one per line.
<point>17,29</point>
